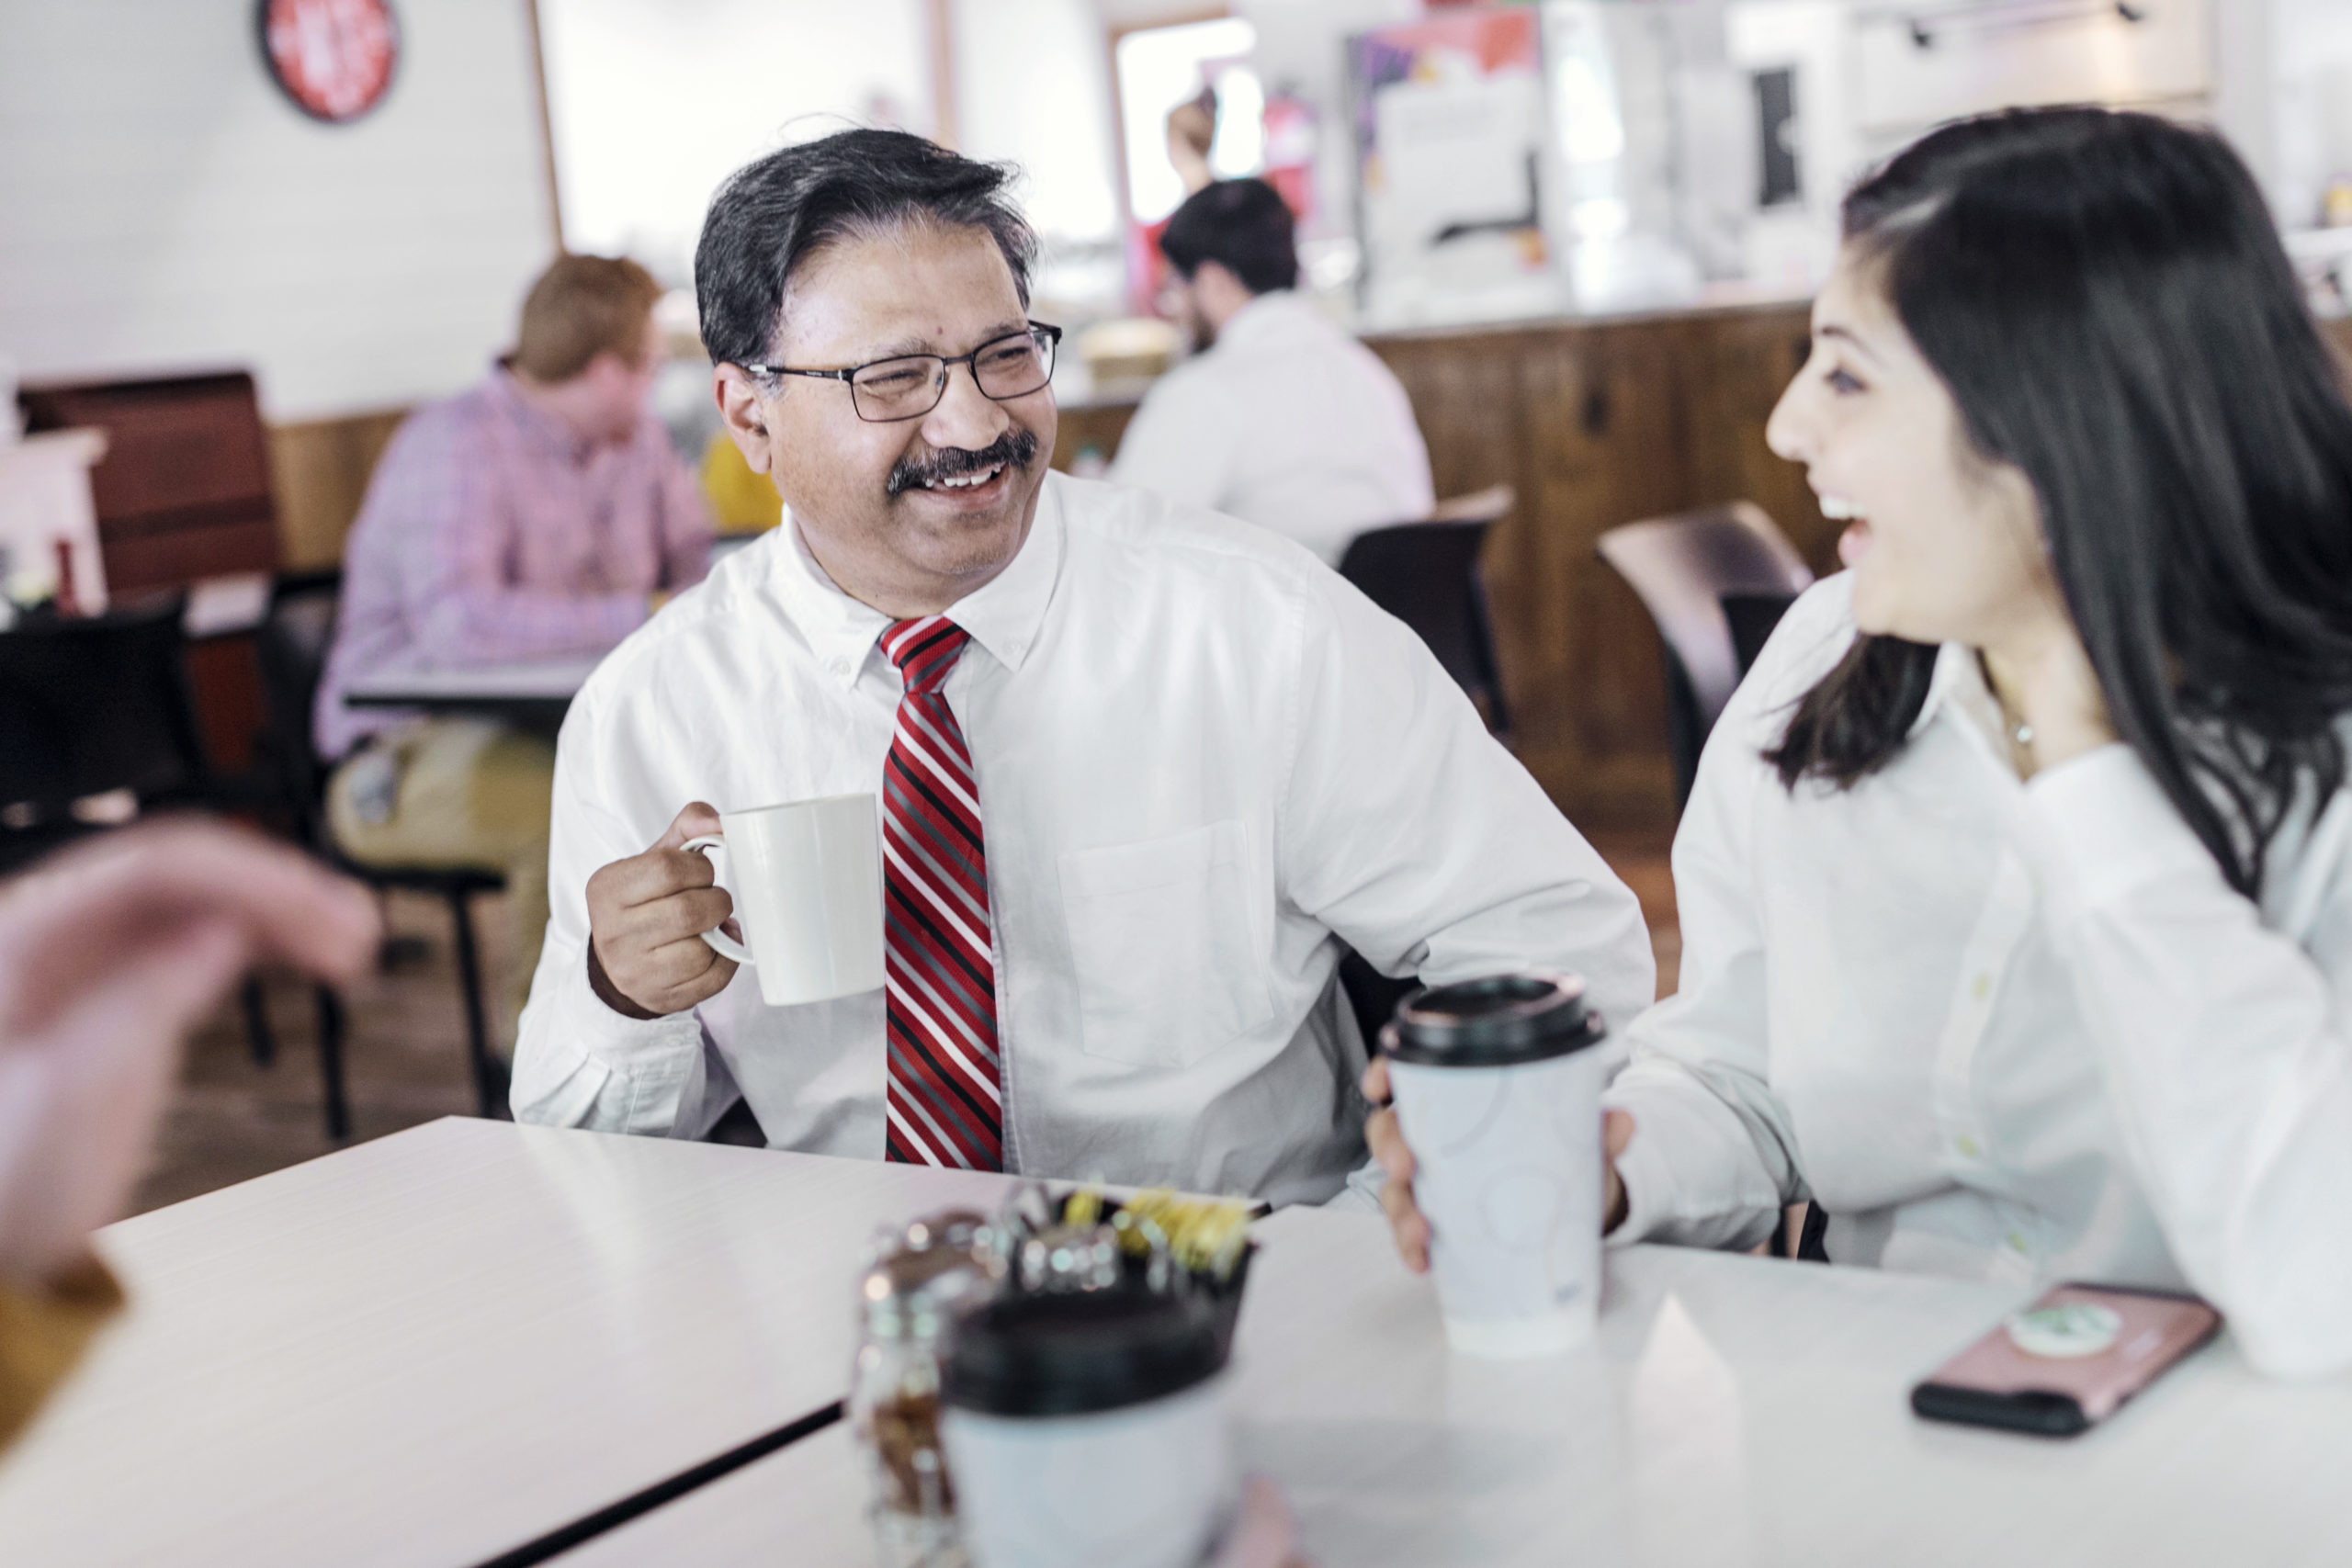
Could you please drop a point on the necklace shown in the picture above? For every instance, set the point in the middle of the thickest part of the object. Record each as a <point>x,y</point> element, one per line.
<point>2020,732</point>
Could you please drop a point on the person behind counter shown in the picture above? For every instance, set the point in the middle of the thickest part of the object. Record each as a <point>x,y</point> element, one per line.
<point>1281,419</point>
<point>1141,768</point>
<point>542,514</point>
<point>109,952</point>
<point>2017,884</point>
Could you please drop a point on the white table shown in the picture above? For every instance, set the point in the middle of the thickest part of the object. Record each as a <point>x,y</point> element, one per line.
<point>432,1348</point>
<point>536,692</point>
<point>1735,1412</point>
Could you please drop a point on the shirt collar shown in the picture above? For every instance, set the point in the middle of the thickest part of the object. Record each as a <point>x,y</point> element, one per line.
<point>1003,617</point>
<point>1958,686</point>
<point>541,426</point>
<point>1263,316</point>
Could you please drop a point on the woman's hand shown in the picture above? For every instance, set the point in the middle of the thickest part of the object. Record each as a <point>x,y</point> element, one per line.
<point>1411,1227</point>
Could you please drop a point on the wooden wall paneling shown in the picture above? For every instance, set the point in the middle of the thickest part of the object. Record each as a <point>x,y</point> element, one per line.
<point>1466,396</point>
<point>2338,329</point>
<point>1607,422</point>
<point>1740,364</point>
<point>1099,425</point>
<point>320,470</point>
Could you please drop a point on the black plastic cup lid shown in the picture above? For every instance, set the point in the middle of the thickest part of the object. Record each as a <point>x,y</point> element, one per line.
<point>1078,1354</point>
<point>1499,1020</point>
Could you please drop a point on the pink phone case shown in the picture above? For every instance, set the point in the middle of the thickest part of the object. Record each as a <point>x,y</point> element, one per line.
<point>1995,1383</point>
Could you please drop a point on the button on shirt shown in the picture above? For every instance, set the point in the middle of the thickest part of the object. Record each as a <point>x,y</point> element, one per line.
<point>1200,754</point>
<point>493,533</point>
<point>2016,1030</point>
<point>1285,422</point>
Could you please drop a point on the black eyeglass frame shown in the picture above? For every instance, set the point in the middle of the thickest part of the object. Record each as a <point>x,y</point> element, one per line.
<point>1045,334</point>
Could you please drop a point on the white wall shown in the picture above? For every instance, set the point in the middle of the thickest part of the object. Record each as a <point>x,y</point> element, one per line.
<point>654,102</point>
<point>164,206</point>
<point>2312,55</point>
<point>1033,84</point>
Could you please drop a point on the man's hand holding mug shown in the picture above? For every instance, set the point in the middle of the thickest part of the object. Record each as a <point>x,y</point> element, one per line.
<point>808,878</point>
<point>646,917</point>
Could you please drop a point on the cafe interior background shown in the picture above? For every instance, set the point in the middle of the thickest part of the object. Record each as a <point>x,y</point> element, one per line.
<point>1582,232</point>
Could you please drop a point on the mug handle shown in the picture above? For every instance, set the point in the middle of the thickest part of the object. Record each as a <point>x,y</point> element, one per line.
<point>726,946</point>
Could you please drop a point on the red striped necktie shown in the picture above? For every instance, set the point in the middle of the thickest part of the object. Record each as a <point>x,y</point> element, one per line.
<point>946,1100</point>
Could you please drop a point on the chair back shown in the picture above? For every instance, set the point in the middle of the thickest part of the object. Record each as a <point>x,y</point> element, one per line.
<point>292,643</point>
<point>183,491</point>
<point>1683,568</point>
<point>1427,575</point>
<point>90,704</point>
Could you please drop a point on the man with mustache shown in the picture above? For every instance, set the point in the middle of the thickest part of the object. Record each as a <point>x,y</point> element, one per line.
<point>1142,769</point>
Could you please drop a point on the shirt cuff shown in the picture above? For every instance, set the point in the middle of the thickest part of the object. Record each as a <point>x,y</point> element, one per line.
<point>1648,1177</point>
<point>2096,830</point>
<point>580,1064</point>
<point>1655,1198</point>
<point>43,1333</point>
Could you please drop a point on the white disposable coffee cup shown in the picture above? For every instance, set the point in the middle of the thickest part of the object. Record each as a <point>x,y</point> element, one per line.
<point>1088,1428</point>
<point>1498,1089</point>
<point>807,887</point>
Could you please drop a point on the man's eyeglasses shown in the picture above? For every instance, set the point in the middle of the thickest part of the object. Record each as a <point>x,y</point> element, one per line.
<point>911,385</point>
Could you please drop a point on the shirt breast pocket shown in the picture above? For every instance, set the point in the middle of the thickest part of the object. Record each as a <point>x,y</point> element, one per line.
<point>1167,967</point>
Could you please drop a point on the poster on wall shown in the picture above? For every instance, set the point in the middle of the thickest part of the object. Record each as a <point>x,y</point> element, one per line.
<point>1449,120</point>
<point>333,58</point>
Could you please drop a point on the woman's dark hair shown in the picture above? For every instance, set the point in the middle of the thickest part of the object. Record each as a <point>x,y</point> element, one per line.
<point>772,214</point>
<point>1244,226</point>
<point>2108,301</point>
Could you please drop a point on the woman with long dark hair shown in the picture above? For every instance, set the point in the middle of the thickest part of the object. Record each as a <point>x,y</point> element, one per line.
<point>2017,884</point>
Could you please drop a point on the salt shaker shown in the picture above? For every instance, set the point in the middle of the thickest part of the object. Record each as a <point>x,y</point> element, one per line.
<point>920,1276</point>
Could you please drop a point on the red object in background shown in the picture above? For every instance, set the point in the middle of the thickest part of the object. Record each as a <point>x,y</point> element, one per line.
<point>1290,155</point>
<point>333,58</point>
<point>1147,268</point>
<point>69,602</point>
<point>1290,169</point>
<point>1501,42</point>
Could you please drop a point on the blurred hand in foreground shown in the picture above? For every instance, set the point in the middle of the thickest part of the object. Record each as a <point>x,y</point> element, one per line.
<point>1405,1221</point>
<point>109,952</point>
<point>1263,1534</point>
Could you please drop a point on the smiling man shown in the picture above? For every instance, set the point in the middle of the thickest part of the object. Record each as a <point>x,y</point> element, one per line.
<point>1142,769</point>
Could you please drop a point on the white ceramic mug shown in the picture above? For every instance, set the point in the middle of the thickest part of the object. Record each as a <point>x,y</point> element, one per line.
<point>808,890</point>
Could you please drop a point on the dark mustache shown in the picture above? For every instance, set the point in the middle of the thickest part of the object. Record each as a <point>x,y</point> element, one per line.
<point>1015,448</point>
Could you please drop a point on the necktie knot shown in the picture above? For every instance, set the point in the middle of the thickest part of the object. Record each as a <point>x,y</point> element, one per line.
<point>925,649</point>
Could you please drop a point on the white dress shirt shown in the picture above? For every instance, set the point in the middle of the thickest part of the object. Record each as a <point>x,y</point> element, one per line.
<point>1285,422</point>
<point>2017,1031</point>
<point>1200,755</point>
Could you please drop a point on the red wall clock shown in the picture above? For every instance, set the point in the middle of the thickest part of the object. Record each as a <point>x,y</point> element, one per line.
<point>333,58</point>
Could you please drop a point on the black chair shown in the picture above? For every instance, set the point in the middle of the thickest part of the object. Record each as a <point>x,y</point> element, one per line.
<point>1427,575</point>
<point>90,705</point>
<point>292,644</point>
<point>1685,567</point>
<point>97,706</point>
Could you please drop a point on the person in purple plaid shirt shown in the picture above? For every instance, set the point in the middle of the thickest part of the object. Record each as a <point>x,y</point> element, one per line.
<point>541,514</point>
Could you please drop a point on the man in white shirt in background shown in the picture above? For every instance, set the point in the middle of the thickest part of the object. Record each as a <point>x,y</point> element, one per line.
<point>1280,418</point>
<point>1141,769</point>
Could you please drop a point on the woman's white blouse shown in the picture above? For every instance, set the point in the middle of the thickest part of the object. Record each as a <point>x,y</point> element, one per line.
<point>2014,1031</point>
